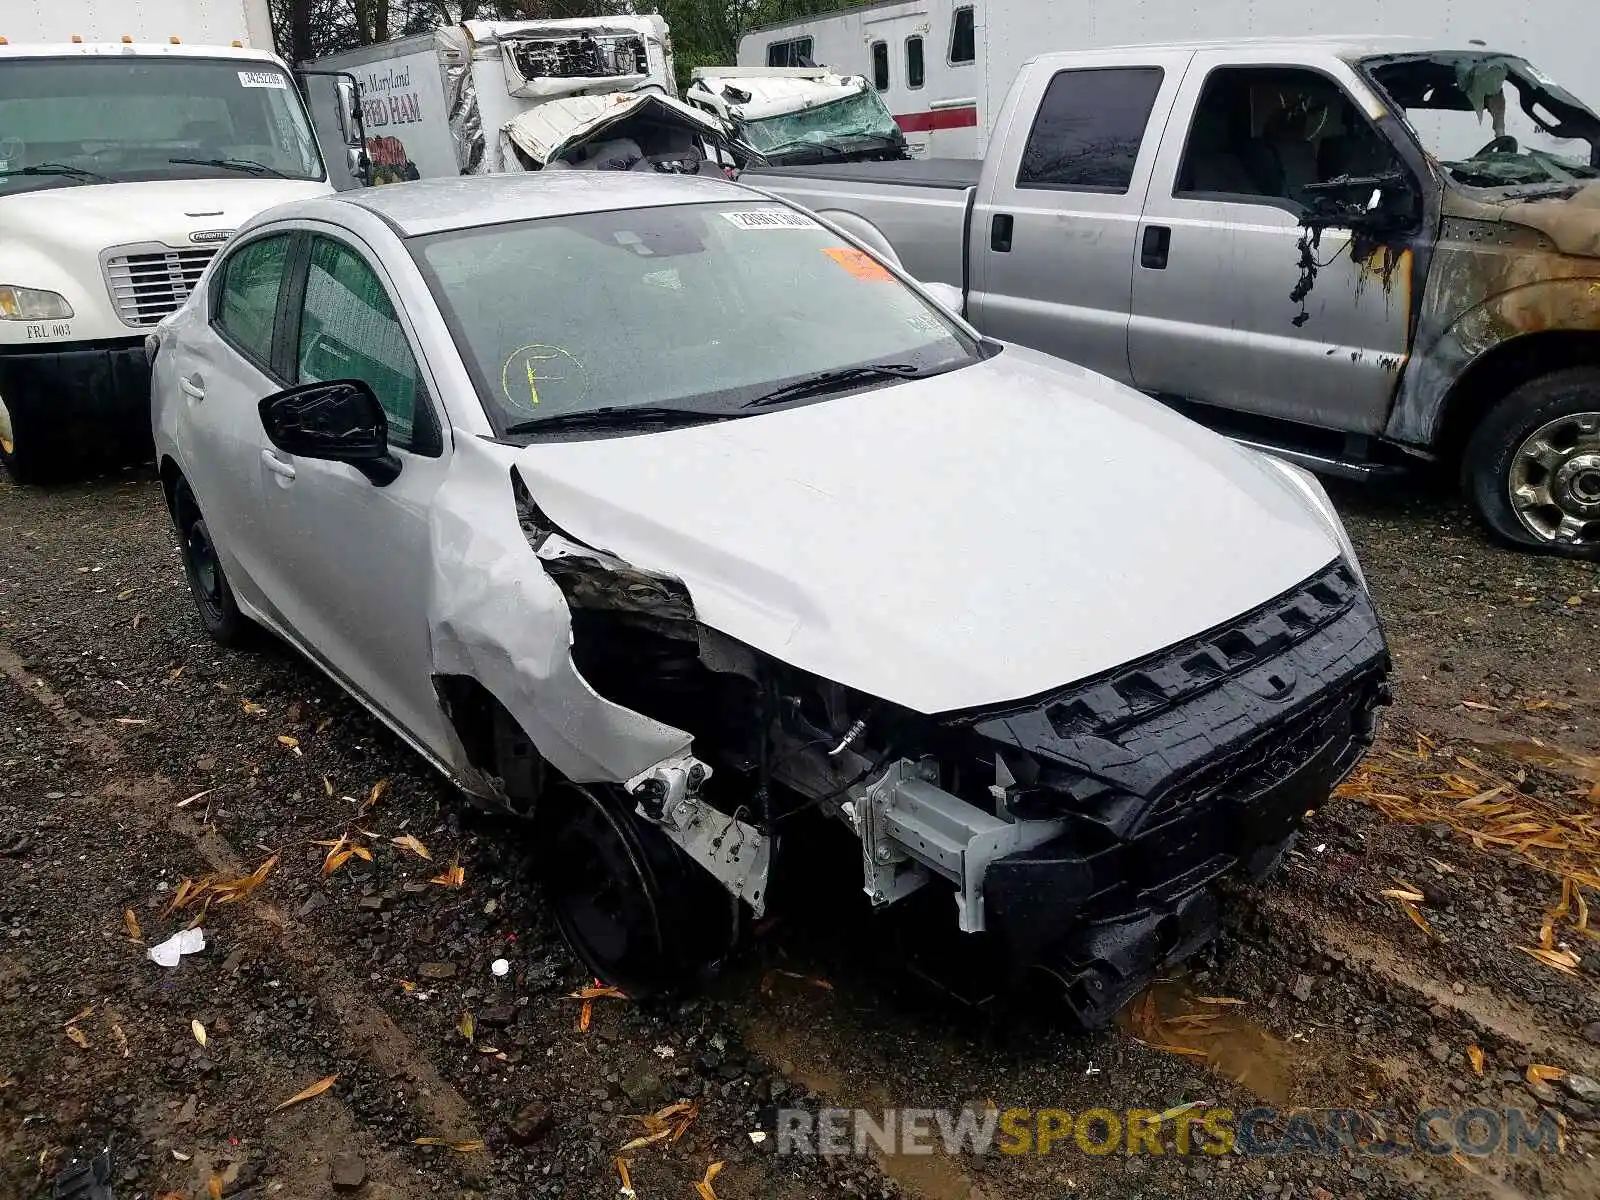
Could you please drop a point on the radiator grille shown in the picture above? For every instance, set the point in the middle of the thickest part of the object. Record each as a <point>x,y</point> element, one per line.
<point>148,286</point>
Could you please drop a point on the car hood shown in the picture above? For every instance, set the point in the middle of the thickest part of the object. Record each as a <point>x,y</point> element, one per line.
<point>968,539</point>
<point>167,211</point>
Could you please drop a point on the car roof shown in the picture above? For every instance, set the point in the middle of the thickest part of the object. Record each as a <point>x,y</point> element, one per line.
<point>435,205</point>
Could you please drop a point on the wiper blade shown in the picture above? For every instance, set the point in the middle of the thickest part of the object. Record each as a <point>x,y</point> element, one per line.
<point>58,169</point>
<point>617,416</point>
<point>248,165</point>
<point>834,381</point>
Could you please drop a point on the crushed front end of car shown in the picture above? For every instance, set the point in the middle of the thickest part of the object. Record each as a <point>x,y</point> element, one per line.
<point>1084,831</point>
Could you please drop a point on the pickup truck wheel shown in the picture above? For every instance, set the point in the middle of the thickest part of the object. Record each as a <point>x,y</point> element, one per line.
<point>1532,466</point>
<point>202,567</point>
<point>640,914</point>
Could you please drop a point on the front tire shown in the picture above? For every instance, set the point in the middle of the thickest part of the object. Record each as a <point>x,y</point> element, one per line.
<point>26,456</point>
<point>638,913</point>
<point>1532,466</point>
<point>202,567</point>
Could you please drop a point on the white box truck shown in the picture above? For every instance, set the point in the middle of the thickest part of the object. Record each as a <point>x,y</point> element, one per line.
<point>944,66</point>
<point>443,103</point>
<point>135,136</point>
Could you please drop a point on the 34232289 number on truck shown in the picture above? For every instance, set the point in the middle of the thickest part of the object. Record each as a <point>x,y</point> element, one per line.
<point>1363,254</point>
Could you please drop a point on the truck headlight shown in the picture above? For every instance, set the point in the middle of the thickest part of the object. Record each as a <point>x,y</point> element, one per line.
<point>1309,486</point>
<point>32,304</point>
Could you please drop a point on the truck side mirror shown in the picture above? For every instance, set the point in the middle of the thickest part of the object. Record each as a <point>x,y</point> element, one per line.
<point>1362,202</point>
<point>348,108</point>
<point>355,158</point>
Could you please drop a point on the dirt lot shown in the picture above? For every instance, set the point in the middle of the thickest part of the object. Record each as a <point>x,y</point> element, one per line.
<point>134,756</point>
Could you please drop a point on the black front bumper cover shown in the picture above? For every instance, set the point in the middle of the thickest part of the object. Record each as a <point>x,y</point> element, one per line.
<point>1193,764</point>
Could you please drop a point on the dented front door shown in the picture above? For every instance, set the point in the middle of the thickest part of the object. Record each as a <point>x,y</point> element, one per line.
<point>1237,305</point>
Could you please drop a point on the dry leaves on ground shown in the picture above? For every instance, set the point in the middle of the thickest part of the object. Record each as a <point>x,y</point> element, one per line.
<point>595,991</point>
<point>663,1125</point>
<point>703,1186</point>
<point>209,889</point>
<point>310,1093</point>
<point>453,876</point>
<point>814,981</point>
<point>1557,834</point>
<point>466,1147</point>
<point>407,842</point>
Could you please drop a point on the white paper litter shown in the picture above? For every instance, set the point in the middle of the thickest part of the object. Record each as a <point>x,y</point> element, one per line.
<point>500,966</point>
<point>185,941</point>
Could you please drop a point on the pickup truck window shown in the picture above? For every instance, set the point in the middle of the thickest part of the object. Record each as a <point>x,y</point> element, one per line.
<point>1090,125</point>
<point>880,66</point>
<point>963,37</point>
<point>1267,134</point>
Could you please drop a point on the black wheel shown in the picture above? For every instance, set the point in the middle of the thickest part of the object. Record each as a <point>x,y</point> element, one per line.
<point>208,584</point>
<point>27,456</point>
<point>640,914</point>
<point>1532,466</point>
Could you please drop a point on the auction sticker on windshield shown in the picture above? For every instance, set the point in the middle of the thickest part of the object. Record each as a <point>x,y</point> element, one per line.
<point>858,262</point>
<point>769,218</point>
<point>267,79</point>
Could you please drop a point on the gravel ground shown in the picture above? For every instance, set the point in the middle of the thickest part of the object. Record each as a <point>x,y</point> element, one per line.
<point>135,755</point>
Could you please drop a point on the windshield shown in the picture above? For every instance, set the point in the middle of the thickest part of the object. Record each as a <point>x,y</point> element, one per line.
<point>1493,121</point>
<point>98,119</point>
<point>702,307</point>
<point>861,115</point>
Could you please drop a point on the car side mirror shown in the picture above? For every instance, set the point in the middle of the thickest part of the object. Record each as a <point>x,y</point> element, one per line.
<point>339,421</point>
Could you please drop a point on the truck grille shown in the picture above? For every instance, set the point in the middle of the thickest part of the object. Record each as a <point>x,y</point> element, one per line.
<point>150,285</point>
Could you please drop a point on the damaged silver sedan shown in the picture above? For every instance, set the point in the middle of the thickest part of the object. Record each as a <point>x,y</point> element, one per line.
<point>664,514</point>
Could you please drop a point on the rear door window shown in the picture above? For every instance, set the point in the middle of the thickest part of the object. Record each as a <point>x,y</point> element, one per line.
<point>1089,128</point>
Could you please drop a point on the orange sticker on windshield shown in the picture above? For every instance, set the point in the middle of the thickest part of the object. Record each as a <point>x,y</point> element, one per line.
<point>858,262</point>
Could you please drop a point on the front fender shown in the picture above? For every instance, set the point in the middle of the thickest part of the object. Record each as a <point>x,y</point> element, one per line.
<point>1490,285</point>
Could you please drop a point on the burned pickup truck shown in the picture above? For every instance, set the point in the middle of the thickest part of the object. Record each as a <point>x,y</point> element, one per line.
<point>676,562</point>
<point>1365,254</point>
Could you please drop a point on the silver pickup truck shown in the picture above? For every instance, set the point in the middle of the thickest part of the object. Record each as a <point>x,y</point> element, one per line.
<point>1361,254</point>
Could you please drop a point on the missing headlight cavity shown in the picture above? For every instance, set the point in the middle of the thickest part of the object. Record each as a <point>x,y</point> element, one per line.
<point>1081,833</point>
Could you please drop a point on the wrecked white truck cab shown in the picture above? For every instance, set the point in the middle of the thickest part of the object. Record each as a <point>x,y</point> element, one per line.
<point>631,541</point>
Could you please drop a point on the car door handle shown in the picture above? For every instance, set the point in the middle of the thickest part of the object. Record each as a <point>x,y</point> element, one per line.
<point>1000,233</point>
<point>1156,247</point>
<point>193,387</point>
<point>276,465</point>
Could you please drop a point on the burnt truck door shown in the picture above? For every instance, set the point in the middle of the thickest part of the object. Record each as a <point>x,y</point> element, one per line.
<point>1246,296</point>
